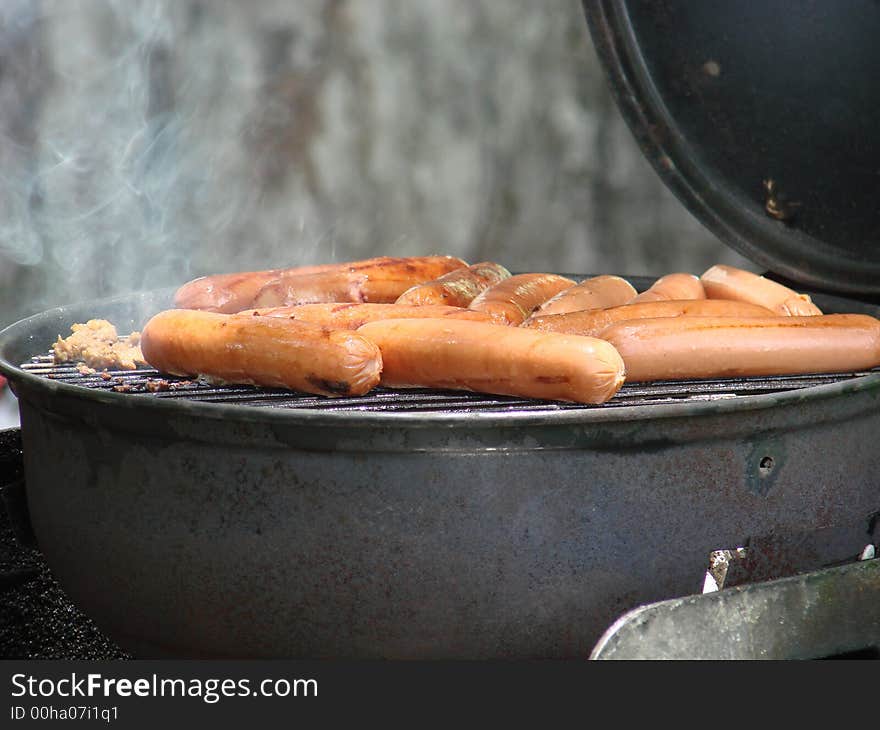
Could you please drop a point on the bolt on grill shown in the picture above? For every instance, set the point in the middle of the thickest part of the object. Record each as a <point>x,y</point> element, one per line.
<point>147,382</point>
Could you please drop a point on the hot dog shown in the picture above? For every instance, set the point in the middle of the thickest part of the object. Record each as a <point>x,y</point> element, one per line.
<point>457,288</point>
<point>728,282</point>
<point>351,316</point>
<point>491,359</point>
<point>261,351</point>
<point>714,347</point>
<point>597,292</point>
<point>592,322</point>
<point>226,293</point>
<point>672,287</point>
<point>380,282</point>
<point>514,299</point>
<point>230,293</point>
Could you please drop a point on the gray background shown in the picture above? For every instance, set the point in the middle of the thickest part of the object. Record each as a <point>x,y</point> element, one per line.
<point>148,142</point>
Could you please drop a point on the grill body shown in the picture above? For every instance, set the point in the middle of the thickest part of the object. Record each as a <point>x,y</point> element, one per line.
<point>200,529</point>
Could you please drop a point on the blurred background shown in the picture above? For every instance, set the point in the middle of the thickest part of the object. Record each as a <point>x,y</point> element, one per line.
<point>146,142</point>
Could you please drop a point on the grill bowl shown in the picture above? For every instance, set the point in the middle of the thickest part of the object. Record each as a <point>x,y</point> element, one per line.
<point>189,528</point>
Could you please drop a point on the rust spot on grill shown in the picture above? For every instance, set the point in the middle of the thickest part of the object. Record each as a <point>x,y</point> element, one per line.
<point>776,204</point>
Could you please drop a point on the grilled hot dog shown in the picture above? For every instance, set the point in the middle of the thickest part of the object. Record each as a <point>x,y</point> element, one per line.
<point>457,288</point>
<point>230,293</point>
<point>439,353</point>
<point>350,316</point>
<point>715,347</point>
<point>382,281</point>
<point>514,299</point>
<point>592,322</point>
<point>594,293</point>
<point>261,351</point>
<point>672,287</point>
<point>728,282</point>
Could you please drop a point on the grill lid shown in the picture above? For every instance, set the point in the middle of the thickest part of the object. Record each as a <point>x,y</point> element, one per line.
<point>762,118</point>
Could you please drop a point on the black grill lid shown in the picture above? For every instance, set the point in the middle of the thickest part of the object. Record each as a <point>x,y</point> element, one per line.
<point>764,119</point>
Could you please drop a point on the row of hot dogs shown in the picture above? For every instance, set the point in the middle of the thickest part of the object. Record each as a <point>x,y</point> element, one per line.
<point>342,329</point>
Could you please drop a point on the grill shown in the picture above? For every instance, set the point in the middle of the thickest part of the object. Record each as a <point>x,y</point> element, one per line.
<point>430,524</point>
<point>406,523</point>
<point>149,382</point>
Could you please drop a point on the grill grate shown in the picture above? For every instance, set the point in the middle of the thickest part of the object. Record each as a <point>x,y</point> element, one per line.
<point>149,383</point>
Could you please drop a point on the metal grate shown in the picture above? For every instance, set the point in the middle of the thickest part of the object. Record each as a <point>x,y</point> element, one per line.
<point>149,383</point>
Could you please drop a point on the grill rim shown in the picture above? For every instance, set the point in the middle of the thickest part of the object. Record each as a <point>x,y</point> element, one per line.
<point>16,337</point>
<point>687,398</point>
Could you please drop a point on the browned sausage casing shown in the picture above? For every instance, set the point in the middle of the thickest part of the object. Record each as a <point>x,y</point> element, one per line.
<point>672,286</point>
<point>592,322</point>
<point>439,353</point>
<point>278,353</point>
<point>381,282</point>
<point>457,288</point>
<point>597,292</point>
<point>351,316</point>
<point>230,293</point>
<point>715,347</point>
<point>514,299</point>
<point>728,282</point>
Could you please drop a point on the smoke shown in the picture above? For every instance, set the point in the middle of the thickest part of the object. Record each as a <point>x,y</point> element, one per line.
<point>19,94</point>
<point>111,169</point>
<point>145,142</point>
<point>113,165</point>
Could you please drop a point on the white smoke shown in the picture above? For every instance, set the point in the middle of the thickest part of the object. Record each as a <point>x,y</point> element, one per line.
<point>145,142</point>
<point>118,174</point>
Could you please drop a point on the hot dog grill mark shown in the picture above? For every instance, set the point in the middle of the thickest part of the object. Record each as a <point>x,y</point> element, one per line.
<point>552,379</point>
<point>338,387</point>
